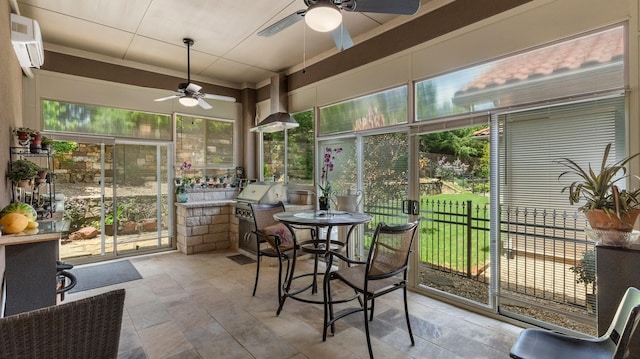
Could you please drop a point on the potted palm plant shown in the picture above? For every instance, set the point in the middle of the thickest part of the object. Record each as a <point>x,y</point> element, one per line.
<point>607,207</point>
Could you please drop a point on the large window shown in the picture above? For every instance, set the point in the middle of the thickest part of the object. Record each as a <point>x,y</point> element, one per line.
<point>381,109</point>
<point>96,120</point>
<point>580,66</point>
<point>206,145</point>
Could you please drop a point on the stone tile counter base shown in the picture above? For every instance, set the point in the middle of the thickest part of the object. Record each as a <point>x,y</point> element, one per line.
<point>207,221</point>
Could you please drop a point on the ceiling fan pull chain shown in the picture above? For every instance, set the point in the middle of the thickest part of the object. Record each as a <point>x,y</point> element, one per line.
<point>304,49</point>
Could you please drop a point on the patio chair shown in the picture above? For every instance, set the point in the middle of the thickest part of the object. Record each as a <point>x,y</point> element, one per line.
<point>384,271</point>
<point>85,328</point>
<point>280,239</point>
<point>616,343</point>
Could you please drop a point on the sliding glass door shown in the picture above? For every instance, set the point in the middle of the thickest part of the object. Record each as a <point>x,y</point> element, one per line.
<point>115,197</point>
<point>141,197</point>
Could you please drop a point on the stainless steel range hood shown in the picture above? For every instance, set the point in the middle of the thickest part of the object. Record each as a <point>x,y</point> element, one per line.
<point>275,122</point>
<point>278,120</point>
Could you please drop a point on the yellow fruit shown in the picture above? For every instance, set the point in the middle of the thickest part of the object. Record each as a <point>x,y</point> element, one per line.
<point>13,223</point>
<point>32,225</point>
<point>30,231</point>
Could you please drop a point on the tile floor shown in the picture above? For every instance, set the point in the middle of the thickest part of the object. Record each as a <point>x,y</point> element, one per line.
<point>200,306</point>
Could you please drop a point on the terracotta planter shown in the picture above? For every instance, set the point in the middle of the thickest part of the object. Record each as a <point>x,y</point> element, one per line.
<point>24,183</point>
<point>600,220</point>
<point>149,225</point>
<point>129,227</point>
<point>36,143</point>
<point>609,229</point>
<point>23,135</point>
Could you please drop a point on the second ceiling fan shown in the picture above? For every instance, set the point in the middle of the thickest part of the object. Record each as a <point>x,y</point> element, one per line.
<point>326,16</point>
<point>189,93</point>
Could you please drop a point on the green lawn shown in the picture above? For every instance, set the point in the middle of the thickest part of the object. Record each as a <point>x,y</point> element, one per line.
<point>445,244</point>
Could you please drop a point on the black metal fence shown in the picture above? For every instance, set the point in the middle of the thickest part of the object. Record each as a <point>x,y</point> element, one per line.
<point>540,249</point>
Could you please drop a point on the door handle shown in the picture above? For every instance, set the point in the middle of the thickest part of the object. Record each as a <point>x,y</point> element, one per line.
<point>410,207</point>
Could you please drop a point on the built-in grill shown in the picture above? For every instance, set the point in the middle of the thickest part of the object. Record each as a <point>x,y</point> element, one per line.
<point>257,193</point>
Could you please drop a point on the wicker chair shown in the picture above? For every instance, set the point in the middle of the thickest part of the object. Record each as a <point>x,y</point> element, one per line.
<point>384,271</point>
<point>281,240</point>
<point>86,328</point>
<point>620,340</point>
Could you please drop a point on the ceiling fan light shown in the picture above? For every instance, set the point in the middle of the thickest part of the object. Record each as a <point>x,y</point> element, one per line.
<point>188,101</point>
<point>323,16</point>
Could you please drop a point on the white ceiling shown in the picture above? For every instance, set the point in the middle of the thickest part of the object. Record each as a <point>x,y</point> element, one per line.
<point>227,49</point>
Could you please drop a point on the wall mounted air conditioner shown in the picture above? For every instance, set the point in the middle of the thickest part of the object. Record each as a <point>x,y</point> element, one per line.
<point>27,41</point>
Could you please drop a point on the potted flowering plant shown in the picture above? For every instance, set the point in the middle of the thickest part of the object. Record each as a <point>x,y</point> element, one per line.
<point>325,185</point>
<point>184,168</point>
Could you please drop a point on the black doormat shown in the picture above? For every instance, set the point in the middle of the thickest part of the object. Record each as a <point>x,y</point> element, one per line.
<point>102,275</point>
<point>241,259</point>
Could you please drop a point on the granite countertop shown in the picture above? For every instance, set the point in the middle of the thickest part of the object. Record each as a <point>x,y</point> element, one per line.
<point>217,203</point>
<point>46,231</point>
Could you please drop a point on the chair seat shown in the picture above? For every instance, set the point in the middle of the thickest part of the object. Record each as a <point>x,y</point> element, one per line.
<point>355,277</point>
<point>286,251</point>
<point>539,343</point>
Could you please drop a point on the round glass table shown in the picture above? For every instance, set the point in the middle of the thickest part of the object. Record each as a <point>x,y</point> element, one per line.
<point>318,246</point>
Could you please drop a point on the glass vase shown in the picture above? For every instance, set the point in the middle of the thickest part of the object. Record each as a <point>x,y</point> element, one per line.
<point>323,203</point>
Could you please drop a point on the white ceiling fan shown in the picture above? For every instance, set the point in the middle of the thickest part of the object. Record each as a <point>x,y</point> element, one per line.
<point>326,16</point>
<point>189,93</point>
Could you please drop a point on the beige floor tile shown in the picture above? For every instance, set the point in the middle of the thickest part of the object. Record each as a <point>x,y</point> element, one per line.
<point>200,306</point>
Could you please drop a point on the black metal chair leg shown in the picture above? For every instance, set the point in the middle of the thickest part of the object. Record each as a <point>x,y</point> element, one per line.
<point>327,308</point>
<point>406,313</point>
<point>373,305</point>
<point>255,285</point>
<point>291,267</point>
<point>280,278</point>
<point>366,328</point>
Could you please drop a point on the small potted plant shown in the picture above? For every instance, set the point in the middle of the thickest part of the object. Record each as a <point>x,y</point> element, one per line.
<point>325,185</point>
<point>585,272</point>
<point>35,145</point>
<point>110,222</point>
<point>42,175</point>
<point>46,143</point>
<point>182,194</point>
<point>23,134</point>
<point>607,207</point>
<point>23,170</point>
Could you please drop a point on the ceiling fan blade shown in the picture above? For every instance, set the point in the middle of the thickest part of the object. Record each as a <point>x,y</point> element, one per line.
<point>166,98</point>
<point>341,37</point>
<point>282,24</point>
<point>400,7</point>
<point>204,104</point>
<point>220,97</point>
<point>192,88</point>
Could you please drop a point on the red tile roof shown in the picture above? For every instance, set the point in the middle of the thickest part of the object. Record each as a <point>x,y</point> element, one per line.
<point>591,50</point>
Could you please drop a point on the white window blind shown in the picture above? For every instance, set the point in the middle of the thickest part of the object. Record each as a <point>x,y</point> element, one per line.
<point>535,139</point>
